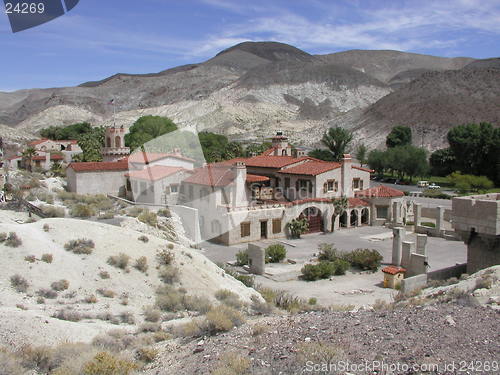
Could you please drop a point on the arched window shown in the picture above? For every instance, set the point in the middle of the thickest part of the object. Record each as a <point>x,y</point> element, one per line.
<point>118,141</point>
<point>108,142</point>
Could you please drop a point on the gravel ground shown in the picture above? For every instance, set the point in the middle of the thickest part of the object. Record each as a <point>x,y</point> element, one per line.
<point>440,334</point>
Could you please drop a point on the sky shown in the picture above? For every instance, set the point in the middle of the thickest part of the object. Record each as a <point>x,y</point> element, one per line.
<point>99,38</point>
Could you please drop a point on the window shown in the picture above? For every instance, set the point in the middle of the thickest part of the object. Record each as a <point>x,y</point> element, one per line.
<point>330,185</point>
<point>382,212</point>
<point>245,229</point>
<point>356,184</point>
<point>287,182</point>
<point>276,226</point>
<point>304,185</point>
<point>191,192</point>
<point>174,188</point>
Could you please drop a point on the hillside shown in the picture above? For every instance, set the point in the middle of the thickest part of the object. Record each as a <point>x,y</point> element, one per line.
<point>252,89</point>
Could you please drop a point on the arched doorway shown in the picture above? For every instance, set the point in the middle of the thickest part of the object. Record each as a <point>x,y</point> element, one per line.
<point>314,218</point>
<point>334,217</point>
<point>343,220</point>
<point>354,218</point>
<point>365,216</point>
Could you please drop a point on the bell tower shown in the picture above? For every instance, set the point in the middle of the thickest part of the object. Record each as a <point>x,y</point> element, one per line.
<point>114,144</point>
<point>281,145</point>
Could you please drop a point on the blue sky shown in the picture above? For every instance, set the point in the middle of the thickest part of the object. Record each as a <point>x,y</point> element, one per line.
<point>101,37</point>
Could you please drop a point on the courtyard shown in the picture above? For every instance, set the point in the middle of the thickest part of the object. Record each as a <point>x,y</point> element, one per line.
<point>356,287</point>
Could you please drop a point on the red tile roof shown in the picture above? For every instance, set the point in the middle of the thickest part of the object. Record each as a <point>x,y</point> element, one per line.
<point>381,191</point>
<point>269,151</point>
<point>363,169</point>
<point>38,141</point>
<point>153,173</point>
<point>311,168</point>
<point>256,178</point>
<point>356,202</point>
<point>212,175</point>
<point>393,270</point>
<point>99,166</point>
<point>149,157</point>
<point>52,157</point>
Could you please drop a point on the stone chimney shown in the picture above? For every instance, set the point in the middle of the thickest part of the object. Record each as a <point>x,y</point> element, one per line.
<point>347,176</point>
<point>240,178</point>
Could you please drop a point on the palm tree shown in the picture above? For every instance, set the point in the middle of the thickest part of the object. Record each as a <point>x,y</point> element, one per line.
<point>337,140</point>
<point>28,156</point>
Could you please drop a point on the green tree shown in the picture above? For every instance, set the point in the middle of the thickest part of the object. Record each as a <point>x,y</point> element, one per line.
<point>148,128</point>
<point>321,154</point>
<point>216,147</point>
<point>399,136</point>
<point>91,144</point>
<point>377,160</point>
<point>73,131</point>
<point>442,162</point>
<point>338,141</point>
<point>464,183</point>
<point>28,155</point>
<point>362,154</point>
<point>415,161</point>
<point>476,149</point>
<point>257,148</point>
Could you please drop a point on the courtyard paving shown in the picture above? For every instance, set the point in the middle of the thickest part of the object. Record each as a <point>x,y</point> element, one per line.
<point>356,288</point>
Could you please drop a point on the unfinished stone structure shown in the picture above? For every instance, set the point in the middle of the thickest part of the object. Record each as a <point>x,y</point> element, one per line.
<point>406,254</point>
<point>256,259</point>
<point>476,219</point>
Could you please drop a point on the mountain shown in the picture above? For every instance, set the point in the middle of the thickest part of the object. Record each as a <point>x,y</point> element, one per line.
<point>252,89</point>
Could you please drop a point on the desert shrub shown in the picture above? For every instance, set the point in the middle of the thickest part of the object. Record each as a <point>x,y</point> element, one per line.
<point>51,211</point>
<point>40,300</point>
<point>229,298</point>
<point>151,314</point>
<point>47,293</point>
<point>169,299</point>
<point>141,264</point>
<point>30,258</point>
<point>319,352</point>
<point>164,212</point>
<point>120,261</point>
<point>3,237</point>
<point>127,317</point>
<point>486,281</point>
<point>164,257</point>
<point>60,285</point>
<point>260,307</point>
<point>365,259</point>
<point>106,364</point>
<point>259,329</point>
<point>161,336</point>
<point>19,283</point>
<point>275,253</point>
<point>196,303</point>
<point>289,302</point>
<point>134,211</point>
<point>149,218</point>
<point>108,293</point>
<point>36,357</point>
<point>108,317</point>
<point>381,305</point>
<point>312,301</point>
<point>144,239</point>
<point>242,258</point>
<point>170,246</point>
<point>232,363</point>
<point>13,240</point>
<point>82,210</point>
<point>90,299</point>
<point>222,319</point>
<point>46,227</point>
<point>327,252</point>
<point>47,258</point>
<point>104,275</point>
<point>168,274</point>
<point>150,327</point>
<point>147,355</point>
<point>247,280</point>
<point>341,266</point>
<point>69,315</point>
<point>10,365</point>
<point>322,270</point>
<point>80,246</point>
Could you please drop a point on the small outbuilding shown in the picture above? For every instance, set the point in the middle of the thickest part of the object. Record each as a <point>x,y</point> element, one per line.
<point>393,276</point>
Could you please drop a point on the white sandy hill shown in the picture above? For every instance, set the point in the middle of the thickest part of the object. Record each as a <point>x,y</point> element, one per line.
<point>24,320</point>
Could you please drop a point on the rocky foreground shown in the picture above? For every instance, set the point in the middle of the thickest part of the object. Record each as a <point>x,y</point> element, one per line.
<point>433,336</point>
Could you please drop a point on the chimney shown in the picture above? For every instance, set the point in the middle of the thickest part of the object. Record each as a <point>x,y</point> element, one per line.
<point>240,180</point>
<point>47,160</point>
<point>346,176</point>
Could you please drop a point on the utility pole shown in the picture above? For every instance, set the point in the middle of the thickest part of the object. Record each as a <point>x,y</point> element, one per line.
<point>5,164</point>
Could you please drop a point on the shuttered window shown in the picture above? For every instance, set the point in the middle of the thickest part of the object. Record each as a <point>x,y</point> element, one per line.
<point>276,226</point>
<point>245,229</point>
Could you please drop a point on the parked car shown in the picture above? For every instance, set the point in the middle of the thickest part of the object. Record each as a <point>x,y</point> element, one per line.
<point>422,184</point>
<point>433,186</point>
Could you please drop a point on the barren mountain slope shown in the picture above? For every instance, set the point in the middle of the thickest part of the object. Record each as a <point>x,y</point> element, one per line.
<point>435,102</point>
